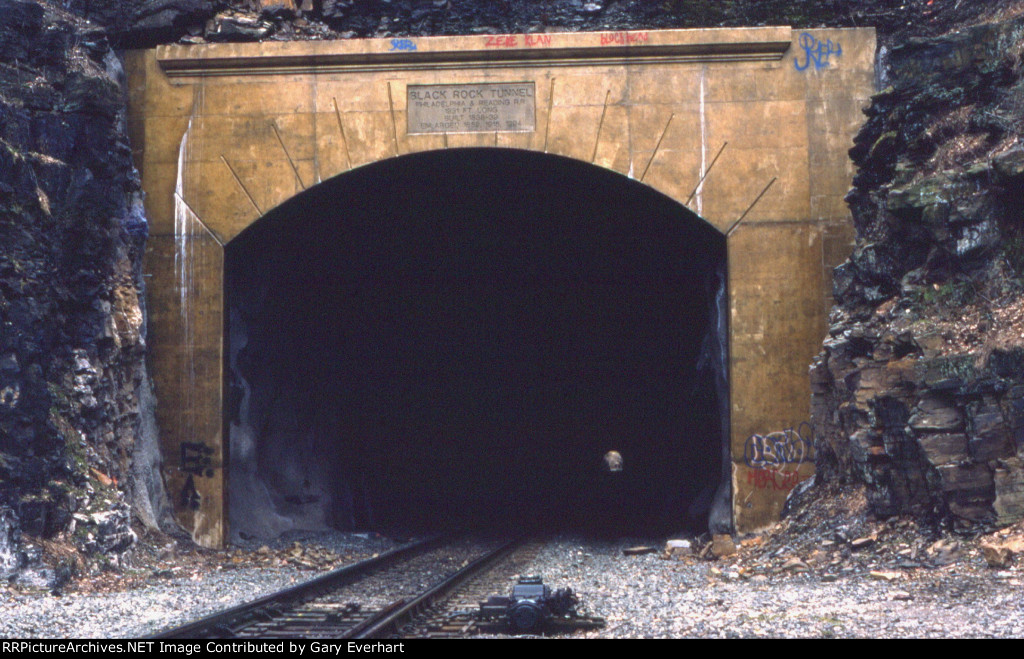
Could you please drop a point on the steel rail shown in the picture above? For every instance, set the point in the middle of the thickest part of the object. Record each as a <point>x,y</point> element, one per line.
<point>228,620</point>
<point>389,622</point>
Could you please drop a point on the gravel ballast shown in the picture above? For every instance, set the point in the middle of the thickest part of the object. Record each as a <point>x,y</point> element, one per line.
<point>650,597</point>
<point>640,596</point>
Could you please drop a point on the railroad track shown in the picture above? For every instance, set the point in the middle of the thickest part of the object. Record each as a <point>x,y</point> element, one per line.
<point>452,609</point>
<point>326,607</point>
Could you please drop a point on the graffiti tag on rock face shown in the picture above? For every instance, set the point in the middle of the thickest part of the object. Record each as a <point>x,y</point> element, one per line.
<point>816,52</point>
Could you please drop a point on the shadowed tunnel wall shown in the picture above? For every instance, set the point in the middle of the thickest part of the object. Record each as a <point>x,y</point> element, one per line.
<point>459,336</point>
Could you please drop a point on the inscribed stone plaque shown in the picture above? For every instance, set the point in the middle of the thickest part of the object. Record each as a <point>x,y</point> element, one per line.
<point>476,108</point>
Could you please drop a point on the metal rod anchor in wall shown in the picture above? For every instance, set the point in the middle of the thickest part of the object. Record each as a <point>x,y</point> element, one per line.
<point>341,129</point>
<point>295,170</point>
<point>551,101</point>
<point>394,122</point>
<point>706,172</point>
<point>751,206</point>
<point>657,146</point>
<point>600,124</point>
<point>241,185</point>
<point>199,220</point>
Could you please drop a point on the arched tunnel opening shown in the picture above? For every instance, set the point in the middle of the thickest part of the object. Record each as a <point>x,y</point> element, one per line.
<point>457,338</point>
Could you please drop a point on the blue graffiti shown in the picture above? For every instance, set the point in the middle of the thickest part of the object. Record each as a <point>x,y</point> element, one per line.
<point>780,448</point>
<point>817,52</point>
<point>402,44</point>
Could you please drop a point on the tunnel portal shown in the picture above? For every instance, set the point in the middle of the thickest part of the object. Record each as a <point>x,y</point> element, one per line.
<point>458,337</point>
<point>453,338</point>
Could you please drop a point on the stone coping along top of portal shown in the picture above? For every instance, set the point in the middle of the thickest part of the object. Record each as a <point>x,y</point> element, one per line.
<point>560,48</point>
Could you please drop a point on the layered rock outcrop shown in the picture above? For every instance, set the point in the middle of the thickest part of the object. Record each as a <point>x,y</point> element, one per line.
<point>73,324</point>
<point>919,390</point>
<point>145,23</point>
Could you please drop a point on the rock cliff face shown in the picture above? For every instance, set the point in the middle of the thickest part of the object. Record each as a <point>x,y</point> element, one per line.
<point>919,390</point>
<point>145,23</point>
<point>72,338</point>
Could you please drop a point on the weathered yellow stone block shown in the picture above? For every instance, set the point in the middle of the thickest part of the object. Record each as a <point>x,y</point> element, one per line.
<point>613,143</point>
<point>660,84</point>
<point>223,203</point>
<point>159,180</point>
<point>269,98</point>
<point>353,95</point>
<point>565,136</point>
<point>743,174</point>
<point>591,88</point>
<point>371,136</point>
<point>252,137</point>
<point>162,137</point>
<point>767,125</point>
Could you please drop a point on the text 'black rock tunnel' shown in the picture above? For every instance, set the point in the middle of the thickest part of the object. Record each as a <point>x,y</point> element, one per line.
<point>458,337</point>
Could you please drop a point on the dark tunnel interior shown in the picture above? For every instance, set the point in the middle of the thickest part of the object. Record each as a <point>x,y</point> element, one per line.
<point>456,338</point>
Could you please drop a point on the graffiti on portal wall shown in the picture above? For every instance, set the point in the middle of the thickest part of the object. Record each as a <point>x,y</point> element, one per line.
<point>197,462</point>
<point>777,449</point>
<point>403,44</point>
<point>774,459</point>
<point>816,52</point>
<point>189,497</point>
<point>767,479</point>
